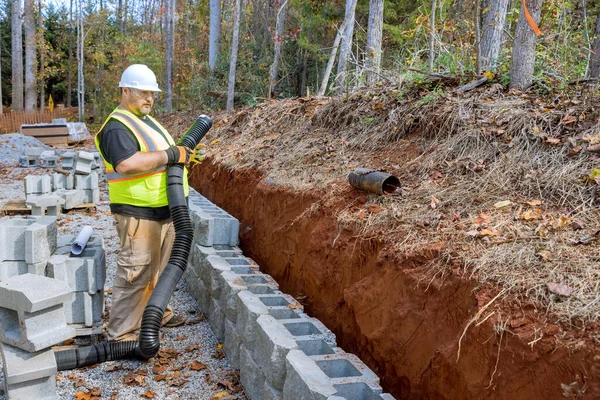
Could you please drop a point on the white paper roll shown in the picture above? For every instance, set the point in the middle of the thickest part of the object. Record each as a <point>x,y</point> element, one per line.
<point>81,240</point>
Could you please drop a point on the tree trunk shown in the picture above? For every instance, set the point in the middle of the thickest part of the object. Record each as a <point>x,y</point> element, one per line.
<point>169,15</point>
<point>432,34</point>
<point>374,34</point>
<point>303,75</point>
<point>346,47</point>
<point>278,41</point>
<point>1,110</point>
<point>478,37</point>
<point>523,56</point>
<point>17,57</point>
<point>30,57</point>
<point>334,49</point>
<point>42,46</point>
<point>80,55</point>
<point>595,61</point>
<point>215,33</point>
<point>259,25</point>
<point>70,67</point>
<point>234,51</point>
<point>493,31</point>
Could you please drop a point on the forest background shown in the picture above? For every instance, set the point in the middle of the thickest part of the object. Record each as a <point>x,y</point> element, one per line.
<point>205,50</point>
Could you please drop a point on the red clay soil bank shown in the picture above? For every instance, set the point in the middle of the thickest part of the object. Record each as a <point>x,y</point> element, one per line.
<point>378,306</point>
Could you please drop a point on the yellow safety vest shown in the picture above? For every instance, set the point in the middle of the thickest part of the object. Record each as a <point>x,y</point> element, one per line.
<point>150,188</point>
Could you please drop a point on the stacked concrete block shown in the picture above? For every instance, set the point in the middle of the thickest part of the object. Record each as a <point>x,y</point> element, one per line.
<point>73,198</point>
<point>37,185</point>
<point>26,161</point>
<point>48,159</point>
<point>62,182</point>
<point>28,375</point>
<point>89,184</point>
<point>83,165</point>
<point>47,204</point>
<point>32,315</point>
<point>212,225</point>
<point>68,160</point>
<point>26,244</point>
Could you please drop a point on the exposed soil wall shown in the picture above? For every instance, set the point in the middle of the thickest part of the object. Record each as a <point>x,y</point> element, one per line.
<point>386,308</point>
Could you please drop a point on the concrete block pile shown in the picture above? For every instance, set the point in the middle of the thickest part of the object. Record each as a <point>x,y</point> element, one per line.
<point>281,352</point>
<point>45,293</point>
<point>48,194</point>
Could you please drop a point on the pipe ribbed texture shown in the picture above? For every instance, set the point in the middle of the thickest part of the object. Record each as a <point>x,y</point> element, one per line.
<point>149,341</point>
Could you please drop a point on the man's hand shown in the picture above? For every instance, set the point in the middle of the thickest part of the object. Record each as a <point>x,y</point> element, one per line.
<point>178,155</point>
<point>198,154</point>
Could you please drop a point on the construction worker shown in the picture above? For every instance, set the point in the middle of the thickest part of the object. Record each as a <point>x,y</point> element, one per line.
<point>137,150</point>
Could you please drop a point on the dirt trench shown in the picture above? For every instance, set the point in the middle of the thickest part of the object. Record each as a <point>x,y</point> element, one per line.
<point>385,307</point>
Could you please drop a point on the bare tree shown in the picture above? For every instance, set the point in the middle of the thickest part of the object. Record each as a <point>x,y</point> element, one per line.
<point>70,65</point>
<point>42,47</point>
<point>277,40</point>
<point>432,34</point>
<point>169,15</point>
<point>595,60</point>
<point>523,56</point>
<point>346,47</point>
<point>80,58</point>
<point>334,49</point>
<point>215,33</point>
<point>17,57</point>
<point>30,57</point>
<point>493,30</point>
<point>374,35</point>
<point>234,52</point>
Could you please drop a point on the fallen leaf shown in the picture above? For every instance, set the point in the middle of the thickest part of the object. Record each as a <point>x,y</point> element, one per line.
<point>181,337</point>
<point>560,289</point>
<point>360,215</point>
<point>112,367</point>
<point>534,203</point>
<point>374,209</point>
<point>473,233</point>
<point>434,202</point>
<point>68,342</point>
<point>483,219</point>
<point>198,366</point>
<point>219,395</point>
<point>592,139</point>
<point>159,369</point>
<point>530,215</point>
<point>575,150</point>
<point>294,306</point>
<point>83,395</point>
<point>219,346</point>
<point>503,203</point>
<point>159,378</point>
<point>489,232</point>
<point>567,119</point>
<point>149,394</point>
<point>191,347</point>
<point>594,148</point>
<point>544,254</point>
<point>586,239</point>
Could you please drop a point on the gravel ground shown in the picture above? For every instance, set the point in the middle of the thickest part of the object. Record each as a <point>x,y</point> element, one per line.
<point>191,364</point>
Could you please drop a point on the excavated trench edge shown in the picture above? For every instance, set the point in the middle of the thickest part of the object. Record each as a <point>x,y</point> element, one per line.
<point>377,307</point>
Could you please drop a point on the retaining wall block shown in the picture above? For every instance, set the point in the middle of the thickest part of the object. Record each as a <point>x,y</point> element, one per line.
<point>45,204</point>
<point>270,393</point>
<point>83,165</point>
<point>73,197</point>
<point>68,160</point>
<point>32,315</point>
<point>8,269</point>
<point>83,273</point>
<point>28,375</point>
<point>37,184</point>
<point>308,328</point>
<point>272,345</point>
<point>97,160</point>
<point>34,151</point>
<point>27,239</point>
<point>210,275</point>
<point>27,161</point>
<point>251,376</point>
<point>304,380</point>
<point>212,225</point>
<point>85,308</point>
<point>198,289</point>
<point>59,181</point>
<point>86,181</point>
<point>231,344</point>
<point>91,196</point>
<point>249,309</point>
<point>232,283</point>
<point>216,319</point>
<point>49,161</point>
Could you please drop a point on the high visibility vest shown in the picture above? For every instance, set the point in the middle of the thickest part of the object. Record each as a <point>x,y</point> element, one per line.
<point>148,189</point>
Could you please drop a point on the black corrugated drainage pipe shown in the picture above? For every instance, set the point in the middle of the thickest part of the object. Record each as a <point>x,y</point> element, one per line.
<point>149,342</point>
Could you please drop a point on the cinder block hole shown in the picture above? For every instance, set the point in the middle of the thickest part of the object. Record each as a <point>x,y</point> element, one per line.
<point>340,368</point>
<point>32,162</point>
<point>222,247</point>
<point>314,347</point>
<point>356,391</point>
<point>274,301</point>
<point>9,324</point>
<point>237,261</point>
<point>302,329</point>
<point>243,270</point>
<point>255,279</point>
<point>261,289</point>
<point>283,313</point>
<point>227,254</point>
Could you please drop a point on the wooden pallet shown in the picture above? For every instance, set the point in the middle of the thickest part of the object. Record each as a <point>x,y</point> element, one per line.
<point>15,207</point>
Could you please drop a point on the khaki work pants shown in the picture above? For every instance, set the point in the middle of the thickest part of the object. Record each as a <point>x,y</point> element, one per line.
<point>145,250</point>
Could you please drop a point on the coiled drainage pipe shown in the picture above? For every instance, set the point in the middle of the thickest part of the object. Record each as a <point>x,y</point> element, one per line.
<point>149,341</point>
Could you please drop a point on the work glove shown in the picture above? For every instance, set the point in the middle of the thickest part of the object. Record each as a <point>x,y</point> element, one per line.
<point>178,155</point>
<point>198,154</point>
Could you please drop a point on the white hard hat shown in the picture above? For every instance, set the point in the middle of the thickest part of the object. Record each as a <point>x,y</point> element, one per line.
<point>139,76</point>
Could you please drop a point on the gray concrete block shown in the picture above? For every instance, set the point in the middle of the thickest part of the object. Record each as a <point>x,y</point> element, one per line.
<point>231,344</point>
<point>359,391</point>
<point>68,160</point>
<point>251,376</point>
<point>18,245</point>
<point>216,319</point>
<point>72,197</point>
<point>36,268</point>
<point>59,181</point>
<point>28,375</point>
<point>204,227</point>
<point>249,309</point>
<point>27,161</point>
<point>32,315</point>
<point>215,266</point>
<point>86,181</point>
<point>270,393</point>
<point>241,278</point>
<point>304,380</point>
<point>35,184</point>
<point>197,289</point>
<point>8,269</point>
<point>45,204</point>
<point>34,151</point>
<point>308,329</point>
<point>91,196</point>
<point>83,165</point>
<point>85,308</point>
<point>97,163</point>
<point>83,273</point>
<point>49,161</point>
<point>344,368</point>
<point>272,345</point>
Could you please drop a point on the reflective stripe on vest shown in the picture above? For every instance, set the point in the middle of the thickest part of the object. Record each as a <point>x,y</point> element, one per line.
<point>147,189</point>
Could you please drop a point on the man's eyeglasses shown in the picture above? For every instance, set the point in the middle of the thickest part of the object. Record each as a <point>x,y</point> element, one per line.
<point>144,94</point>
